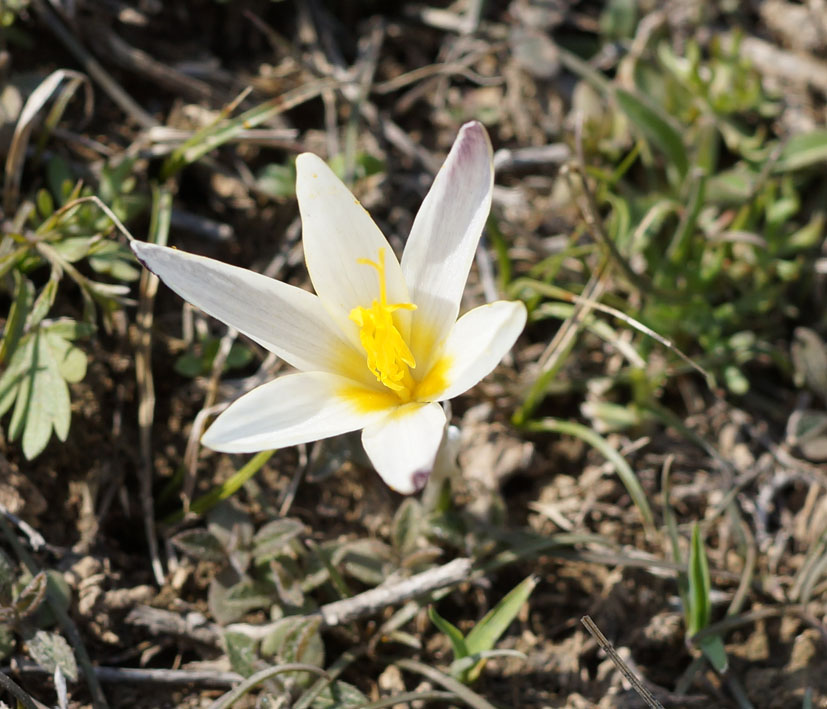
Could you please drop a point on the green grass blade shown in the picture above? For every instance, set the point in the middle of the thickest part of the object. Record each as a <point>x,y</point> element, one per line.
<point>803,150</point>
<point>487,632</point>
<point>226,489</point>
<point>656,128</point>
<point>451,631</point>
<point>625,473</point>
<point>215,135</point>
<point>698,611</point>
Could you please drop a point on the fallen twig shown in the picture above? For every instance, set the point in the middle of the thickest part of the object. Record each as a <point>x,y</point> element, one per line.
<point>369,602</point>
<point>119,675</point>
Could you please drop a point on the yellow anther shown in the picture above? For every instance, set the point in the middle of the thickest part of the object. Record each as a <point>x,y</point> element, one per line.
<point>388,355</point>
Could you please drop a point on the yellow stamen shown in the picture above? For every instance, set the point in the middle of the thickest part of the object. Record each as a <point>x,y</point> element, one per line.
<point>388,355</point>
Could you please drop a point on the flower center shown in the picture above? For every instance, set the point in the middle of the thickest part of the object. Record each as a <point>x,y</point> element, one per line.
<point>388,355</point>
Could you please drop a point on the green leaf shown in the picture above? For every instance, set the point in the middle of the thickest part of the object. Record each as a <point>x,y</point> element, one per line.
<point>230,596</point>
<point>50,650</point>
<point>407,526</point>
<point>803,150</point>
<point>364,166</point>
<point>451,632</point>
<point>8,576</point>
<point>199,360</point>
<point>713,648</point>
<point>735,381</point>
<point>42,404</point>
<point>45,203</point>
<point>200,544</point>
<point>698,612</point>
<point>656,128</point>
<point>808,236</point>
<point>339,695</point>
<point>113,259</point>
<point>73,248</point>
<point>11,258</point>
<point>71,360</point>
<point>287,578</point>
<point>18,314</point>
<point>680,247</point>
<point>270,540</point>
<point>619,19</point>
<point>240,356</point>
<point>8,643</point>
<point>365,559</point>
<point>487,632</point>
<point>50,407</point>
<point>189,365</point>
<point>241,651</point>
<point>69,329</point>
<point>43,303</point>
<point>15,374</point>
<point>296,639</point>
<point>58,175</point>
<point>461,668</point>
<point>731,187</point>
<point>277,180</point>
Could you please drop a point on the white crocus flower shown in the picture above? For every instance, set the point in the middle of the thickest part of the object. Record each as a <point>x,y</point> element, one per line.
<point>379,345</point>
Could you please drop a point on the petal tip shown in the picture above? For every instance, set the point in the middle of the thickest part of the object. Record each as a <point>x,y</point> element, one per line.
<point>308,161</point>
<point>415,483</point>
<point>474,134</point>
<point>142,252</point>
<point>419,479</point>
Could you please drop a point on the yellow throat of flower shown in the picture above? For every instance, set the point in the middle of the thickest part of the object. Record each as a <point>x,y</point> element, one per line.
<point>388,355</point>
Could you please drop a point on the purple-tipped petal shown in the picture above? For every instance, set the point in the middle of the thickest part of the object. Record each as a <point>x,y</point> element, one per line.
<point>403,444</point>
<point>444,236</point>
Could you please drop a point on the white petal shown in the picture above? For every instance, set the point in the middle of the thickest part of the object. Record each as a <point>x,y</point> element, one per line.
<point>403,445</point>
<point>292,409</point>
<point>337,231</point>
<point>286,320</point>
<point>478,341</point>
<point>444,236</point>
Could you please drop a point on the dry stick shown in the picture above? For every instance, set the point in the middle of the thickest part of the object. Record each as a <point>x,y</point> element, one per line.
<point>93,67</point>
<point>161,622</point>
<point>457,66</point>
<point>159,230</point>
<point>372,601</point>
<point>147,66</point>
<point>67,626</point>
<point>22,131</point>
<point>36,540</point>
<point>606,646</point>
<point>119,675</point>
<point>158,621</point>
<point>193,444</point>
